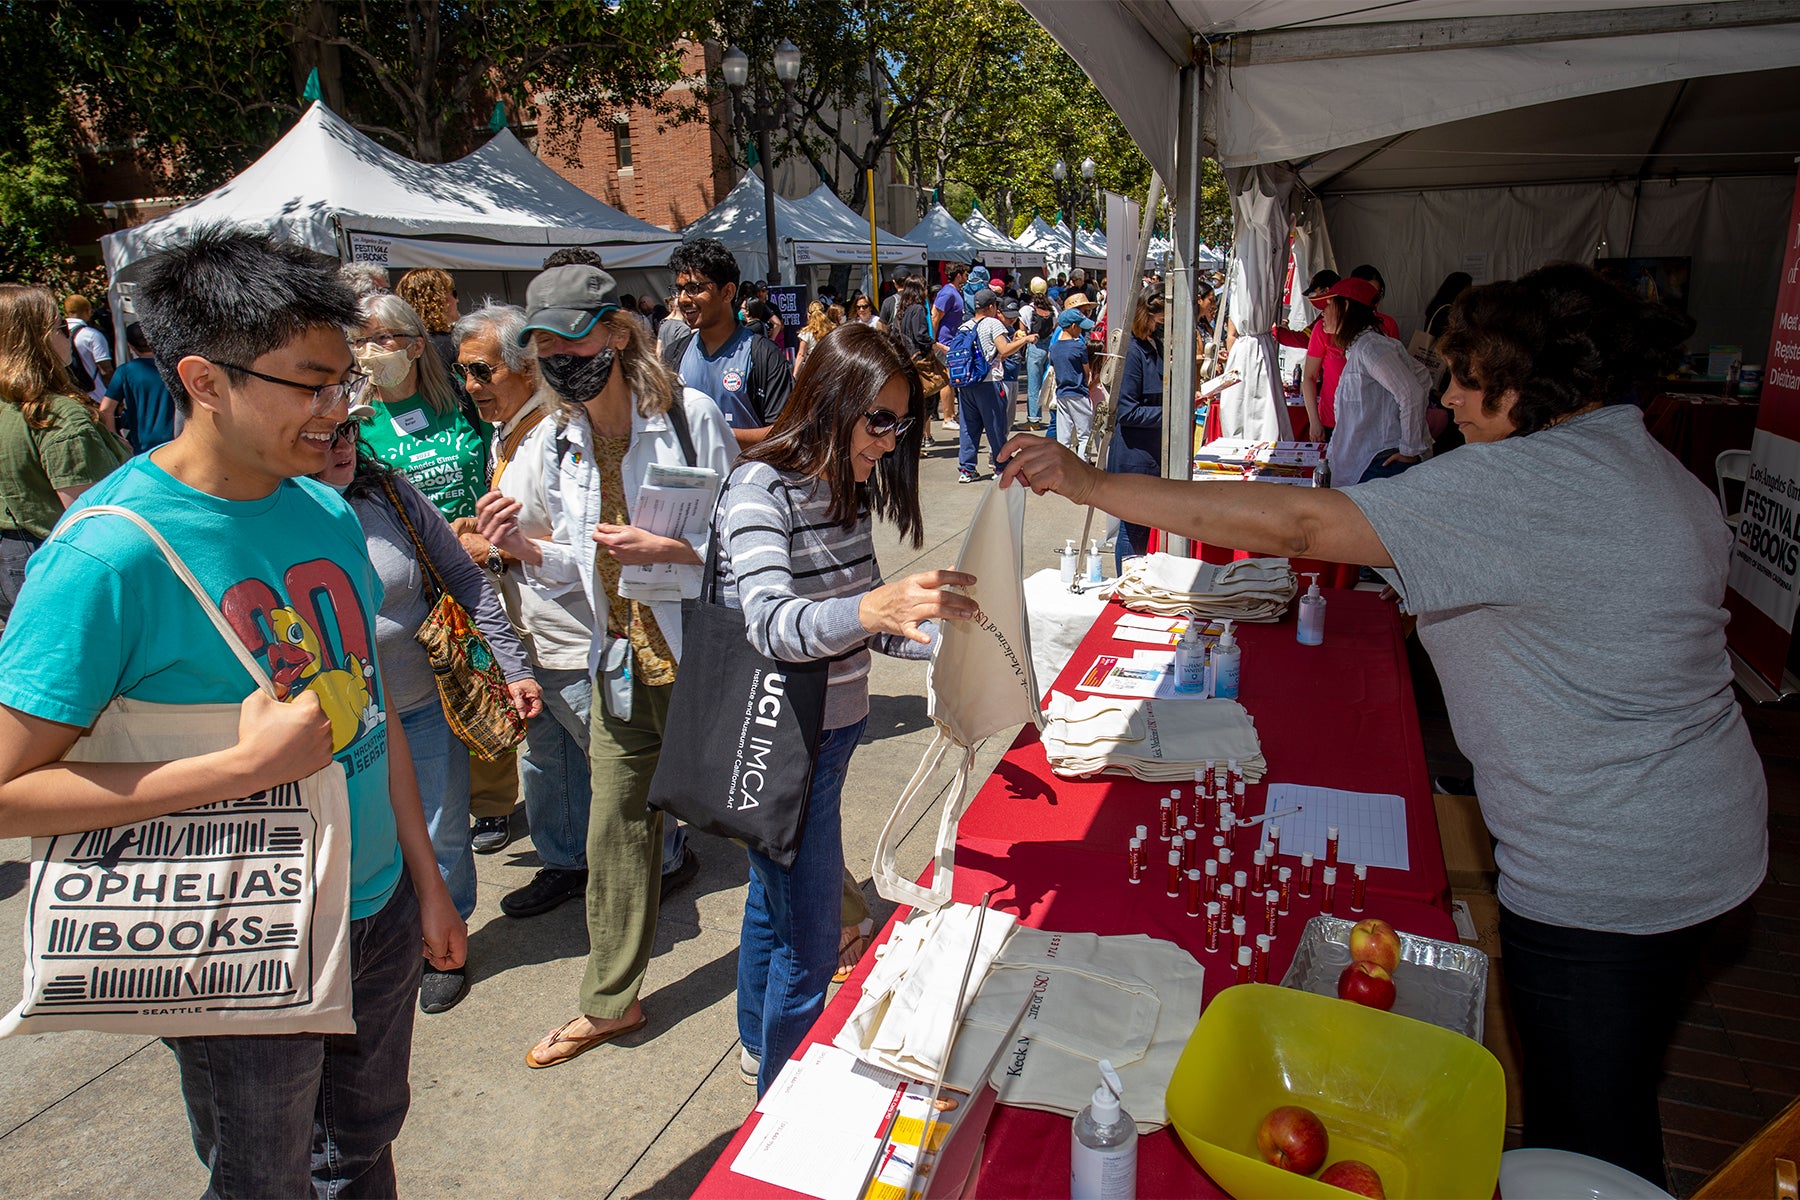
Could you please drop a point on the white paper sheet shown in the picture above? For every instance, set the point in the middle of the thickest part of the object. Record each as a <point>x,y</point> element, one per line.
<point>1371,826</point>
<point>822,1122</point>
<point>679,508</point>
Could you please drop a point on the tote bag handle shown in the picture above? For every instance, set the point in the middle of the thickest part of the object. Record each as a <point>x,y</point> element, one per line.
<point>244,657</point>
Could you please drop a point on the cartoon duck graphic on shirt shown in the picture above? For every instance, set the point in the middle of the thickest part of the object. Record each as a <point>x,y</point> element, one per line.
<point>297,664</point>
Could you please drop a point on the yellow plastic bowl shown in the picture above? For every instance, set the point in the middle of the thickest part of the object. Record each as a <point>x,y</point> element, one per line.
<point>1422,1105</point>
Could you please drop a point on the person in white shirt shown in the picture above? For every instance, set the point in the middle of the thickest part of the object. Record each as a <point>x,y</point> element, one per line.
<point>92,350</point>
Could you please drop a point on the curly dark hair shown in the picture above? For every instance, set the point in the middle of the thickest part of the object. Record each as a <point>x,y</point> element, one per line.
<point>706,257</point>
<point>1563,338</point>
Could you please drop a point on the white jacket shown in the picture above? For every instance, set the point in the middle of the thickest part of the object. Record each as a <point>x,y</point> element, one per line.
<point>571,499</point>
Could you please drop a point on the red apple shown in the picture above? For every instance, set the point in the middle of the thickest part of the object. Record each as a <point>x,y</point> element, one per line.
<point>1367,984</point>
<point>1353,1176</point>
<point>1293,1138</point>
<point>1374,941</point>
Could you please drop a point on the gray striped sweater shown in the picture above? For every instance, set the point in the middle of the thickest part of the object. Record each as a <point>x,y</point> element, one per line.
<point>800,579</point>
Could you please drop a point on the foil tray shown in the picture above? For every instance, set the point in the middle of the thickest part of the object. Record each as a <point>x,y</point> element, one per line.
<point>1443,983</point>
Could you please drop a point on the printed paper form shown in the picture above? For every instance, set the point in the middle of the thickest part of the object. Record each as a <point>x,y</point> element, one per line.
<point>1371,826</point>
<point>822,1122</point>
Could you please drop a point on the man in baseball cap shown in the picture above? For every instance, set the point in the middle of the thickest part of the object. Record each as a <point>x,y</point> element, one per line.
<point>567,301</point>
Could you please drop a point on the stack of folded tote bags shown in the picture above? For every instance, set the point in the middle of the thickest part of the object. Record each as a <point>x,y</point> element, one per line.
<point>1251,589</point>
<point>1151,740</point>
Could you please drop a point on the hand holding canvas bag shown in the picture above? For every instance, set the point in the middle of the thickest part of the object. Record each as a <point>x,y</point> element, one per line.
<point>230,918</point>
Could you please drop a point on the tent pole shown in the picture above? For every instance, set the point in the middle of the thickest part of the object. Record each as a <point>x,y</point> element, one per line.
<point>874,258</point>
<point>1179,314</point>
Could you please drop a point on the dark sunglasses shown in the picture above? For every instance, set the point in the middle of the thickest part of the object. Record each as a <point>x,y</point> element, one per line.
<point>881,422</point>
<point>351,429</point>
<point>483,372</point>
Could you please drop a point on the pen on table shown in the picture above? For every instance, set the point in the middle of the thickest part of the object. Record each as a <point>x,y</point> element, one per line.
<point>1286,812</point>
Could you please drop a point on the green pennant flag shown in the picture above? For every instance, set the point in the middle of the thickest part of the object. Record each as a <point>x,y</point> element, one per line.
<point>1058,218</point>
<point>937,194</point>
<point>497,121</point>
<point>975,206</point>
<point>751,158</point>
<point>312,91</point>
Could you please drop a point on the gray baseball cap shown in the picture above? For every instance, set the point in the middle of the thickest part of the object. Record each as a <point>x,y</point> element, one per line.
<point>568,300</point>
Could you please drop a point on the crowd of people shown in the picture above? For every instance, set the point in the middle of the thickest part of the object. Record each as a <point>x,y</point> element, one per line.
<point>278,412</point>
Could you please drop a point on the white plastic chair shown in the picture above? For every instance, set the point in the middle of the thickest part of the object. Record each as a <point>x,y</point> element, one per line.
<point>1731,464</point>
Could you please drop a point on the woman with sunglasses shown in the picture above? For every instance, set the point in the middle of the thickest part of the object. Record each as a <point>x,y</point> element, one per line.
<point>52,444</point>
<point>439,757</point>
<point>421,427</point>
<point>796,554</point>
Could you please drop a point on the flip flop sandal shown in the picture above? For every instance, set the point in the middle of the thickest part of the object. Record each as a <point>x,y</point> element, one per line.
<point>587,1043</point>
<point>851,947</point>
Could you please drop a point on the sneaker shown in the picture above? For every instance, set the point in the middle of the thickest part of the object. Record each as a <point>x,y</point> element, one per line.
<point>749,1066</point>
<point>547,889</point>
<point>965,477</point>
<point>491,834</point>
<point>440,991</point>
<point>949,424</point>
<point>682,875</point>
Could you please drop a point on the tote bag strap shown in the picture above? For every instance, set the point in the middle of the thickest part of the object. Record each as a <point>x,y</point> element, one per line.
<point>887,878</point>
<point>434,582</point>
<point>244,657</point>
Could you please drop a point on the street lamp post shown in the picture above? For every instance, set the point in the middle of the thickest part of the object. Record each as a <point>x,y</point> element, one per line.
<point>735,66</point>
<point>1069,194</point>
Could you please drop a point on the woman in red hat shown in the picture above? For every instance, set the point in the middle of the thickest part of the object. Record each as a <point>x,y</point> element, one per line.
<point>1380,395</point>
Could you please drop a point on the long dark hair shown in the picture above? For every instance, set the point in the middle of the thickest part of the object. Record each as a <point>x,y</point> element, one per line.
<point>837,386</point>
<point>371,475</point>
<point>1354,320</point>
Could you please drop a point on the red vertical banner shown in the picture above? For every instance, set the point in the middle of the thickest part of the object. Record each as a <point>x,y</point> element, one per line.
<point>1765,562</point>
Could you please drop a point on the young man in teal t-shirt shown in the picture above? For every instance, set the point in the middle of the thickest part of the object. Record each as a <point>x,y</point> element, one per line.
<point>252,333</point>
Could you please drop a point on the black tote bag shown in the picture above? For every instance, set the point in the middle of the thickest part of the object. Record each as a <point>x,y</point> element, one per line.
<point>742,732</point>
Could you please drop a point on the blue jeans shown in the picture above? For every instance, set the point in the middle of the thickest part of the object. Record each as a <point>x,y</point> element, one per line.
<point>310,1114</point>
<point>981,407</point>
<point>1037,361</point>
<point>790,941</point>
<point>441,761</point>
<point>553,769</point>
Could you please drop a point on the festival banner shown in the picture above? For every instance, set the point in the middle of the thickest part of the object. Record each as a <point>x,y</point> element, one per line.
<point>1765,562</point>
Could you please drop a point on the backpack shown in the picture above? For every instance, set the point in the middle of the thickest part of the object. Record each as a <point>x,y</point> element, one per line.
<point>84,379</point>
<point>967,364</point>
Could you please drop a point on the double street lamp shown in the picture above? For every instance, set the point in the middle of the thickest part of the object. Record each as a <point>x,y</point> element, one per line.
<point>762,119</point>
<point>1069,194</point>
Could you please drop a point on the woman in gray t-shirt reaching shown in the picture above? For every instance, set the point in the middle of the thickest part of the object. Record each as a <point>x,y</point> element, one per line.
<point>1568,575</point>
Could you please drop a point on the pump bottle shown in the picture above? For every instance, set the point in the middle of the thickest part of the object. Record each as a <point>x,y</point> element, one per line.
<point>1103,1145</point>
<point>1312,613</point>
<point>1190,660</point>
<point>1095,572</point>
<point>1071,559</point>
<point>1227,661</point>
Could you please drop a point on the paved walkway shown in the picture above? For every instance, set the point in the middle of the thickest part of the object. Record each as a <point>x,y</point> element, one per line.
<point>92,1115</point>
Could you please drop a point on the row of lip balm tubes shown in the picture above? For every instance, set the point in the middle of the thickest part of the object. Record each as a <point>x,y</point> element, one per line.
<point>1225,904</point>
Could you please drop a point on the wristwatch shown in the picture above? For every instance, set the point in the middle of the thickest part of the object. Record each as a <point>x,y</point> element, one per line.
<point>496,563</point>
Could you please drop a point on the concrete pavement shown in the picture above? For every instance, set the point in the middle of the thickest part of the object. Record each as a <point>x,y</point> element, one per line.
<point>98,1115</point>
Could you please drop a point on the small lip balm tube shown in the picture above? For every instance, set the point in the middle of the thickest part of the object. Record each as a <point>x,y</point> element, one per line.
<point>1218,843</point>
<point>1328,894</point>
<point>1190,849</point>
<point>1240,892</point>
<point>1167,821</point>
<point>1284,883</point>
<point>1143,833</point>
<point>1212,925</point>
<point>1137,860</point>
<point>1259,863</point>
<point>1306,874</point>
<point>1274,840</point>
<point>1174,872</point>
<point>1212,880</point>
<point>1238,935</point>
<point>1181,822</point>
<point>1271,911</point>
<point>1359,887</point>
<point>1331,846</point>
<point>1244,955</point>
<point>1224,857</point>
<point>1224,895</point>
<point>1193,892</point>
<point>1261,958</point>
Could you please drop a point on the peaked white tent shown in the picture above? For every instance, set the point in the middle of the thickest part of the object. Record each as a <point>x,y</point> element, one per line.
<point>804,238</point>
<point>998,250</point>
<point>330,188</point>
<point>944,239</point>
<point>831,214</point>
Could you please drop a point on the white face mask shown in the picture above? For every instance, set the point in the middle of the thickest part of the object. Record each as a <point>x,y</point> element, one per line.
<point>386,368</point>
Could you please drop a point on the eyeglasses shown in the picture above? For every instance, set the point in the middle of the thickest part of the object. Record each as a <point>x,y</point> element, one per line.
<point>325,397</point>
<point>881,422</point>
<point>483,372</point>
<point>350,430</point>
<point>696,287</point>
<point>387,341</point>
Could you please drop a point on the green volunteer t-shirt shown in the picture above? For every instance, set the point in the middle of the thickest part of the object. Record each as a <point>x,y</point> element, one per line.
<point>439,452</point>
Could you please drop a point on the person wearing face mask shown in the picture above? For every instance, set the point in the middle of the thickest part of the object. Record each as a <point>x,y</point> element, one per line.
<point>618,411</point>
<point>420,427</point>
<point>1137,438</point>
<point>440,760</point>
<point>796,554</point>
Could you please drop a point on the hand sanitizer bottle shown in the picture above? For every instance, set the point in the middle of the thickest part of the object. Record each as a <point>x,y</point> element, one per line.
<point>1227,661</point>
<point>1190,660</point>
<point>1103,1145</point>
<point>1312,613</point>
<point>1071,560</point>
<point>1094,571</point>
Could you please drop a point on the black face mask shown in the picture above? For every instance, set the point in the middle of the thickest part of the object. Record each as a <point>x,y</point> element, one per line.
<point>578,378</point>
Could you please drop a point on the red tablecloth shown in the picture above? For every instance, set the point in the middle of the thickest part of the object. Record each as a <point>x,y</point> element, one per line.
<point>1697,428</point>
<point>1053,850</point>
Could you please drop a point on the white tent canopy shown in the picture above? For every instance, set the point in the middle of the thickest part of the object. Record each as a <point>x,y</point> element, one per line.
<point>944,239</point>
<point>829,213</point>
<point>803,237</point>
<point>328,187</point>
<point>998,250</point>
<point>1053,241</point>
